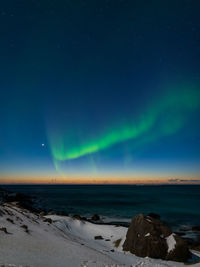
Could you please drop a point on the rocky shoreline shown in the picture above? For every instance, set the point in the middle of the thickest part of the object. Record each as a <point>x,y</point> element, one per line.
<point>147,236</point>
<point>190,234</point>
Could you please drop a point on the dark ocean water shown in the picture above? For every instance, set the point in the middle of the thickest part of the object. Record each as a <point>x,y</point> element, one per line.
<point>178,205</point>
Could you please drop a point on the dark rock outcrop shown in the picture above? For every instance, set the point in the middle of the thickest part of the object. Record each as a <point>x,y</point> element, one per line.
<point>51,212</point>
<point>193,244</point>
<point>76,217</point>
<point>21,200</point>
<point>180,252</point>
<point>147,236</point>
<point>42,213</point>
<point>95,217</point>
<point>197,244</point>
<point>49,220</point>
<point>196,228</point>
<point>64,213</point>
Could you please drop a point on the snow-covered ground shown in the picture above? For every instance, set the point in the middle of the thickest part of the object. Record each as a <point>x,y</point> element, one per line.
<point>33,241</point>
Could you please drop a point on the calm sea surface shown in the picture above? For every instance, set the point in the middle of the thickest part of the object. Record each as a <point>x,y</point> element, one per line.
<point>177,204</point>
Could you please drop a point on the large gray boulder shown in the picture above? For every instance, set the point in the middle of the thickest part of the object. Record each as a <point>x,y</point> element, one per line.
<point>148,237</point>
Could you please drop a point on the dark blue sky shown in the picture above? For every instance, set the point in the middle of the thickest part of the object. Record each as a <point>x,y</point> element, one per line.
<point>77,75</point>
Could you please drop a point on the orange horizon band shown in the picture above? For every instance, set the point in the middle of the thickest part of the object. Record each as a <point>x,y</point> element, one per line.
<point>93,181</point>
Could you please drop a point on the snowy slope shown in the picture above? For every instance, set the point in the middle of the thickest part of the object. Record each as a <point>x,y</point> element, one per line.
<point>32,241</point>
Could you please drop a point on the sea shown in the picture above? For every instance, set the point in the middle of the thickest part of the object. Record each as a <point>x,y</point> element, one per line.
<point>178,205</point>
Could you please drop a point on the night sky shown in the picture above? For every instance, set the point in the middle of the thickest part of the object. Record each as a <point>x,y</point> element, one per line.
<point>99,90</point>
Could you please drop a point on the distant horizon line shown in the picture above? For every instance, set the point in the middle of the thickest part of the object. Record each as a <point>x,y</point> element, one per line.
<point>139,184</point>
<point>97,181</point>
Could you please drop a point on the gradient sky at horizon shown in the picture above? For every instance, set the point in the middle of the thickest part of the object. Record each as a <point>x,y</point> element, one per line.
<point>99,88</point>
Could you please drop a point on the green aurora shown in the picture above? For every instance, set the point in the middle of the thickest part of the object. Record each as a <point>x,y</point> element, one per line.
<point>166,116</point>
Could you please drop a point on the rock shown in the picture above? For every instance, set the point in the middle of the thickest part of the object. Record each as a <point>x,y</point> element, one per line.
<point>198,241</point>
<point>117,242</point>
<point>95,217</point>
<point>24,226</point>
<point>10,220</point>
<point>197,248</point>
<point>2,212</point>
<point>144,237</point>
<point>76,217</point>
<point>196,228</point>
<point>180,252</point>
<point>15,197</point>
<point>51,212</point>
<point>190,242</point>
<point>63,213</point>
<point>193,243</point>
<point>197,244</point>
<point>42,213</point>
<point>4,229</point>
<point>84,219</point>
<point>20,200</point>
<point>148,237</point>
<point>49,220</point>
<point>154,215</point>
<point>98,237</point>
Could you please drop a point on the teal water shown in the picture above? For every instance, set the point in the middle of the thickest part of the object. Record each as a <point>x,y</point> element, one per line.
<point>178,205</point>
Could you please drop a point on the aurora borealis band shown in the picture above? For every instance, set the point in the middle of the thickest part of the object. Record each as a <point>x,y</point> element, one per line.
<point>176,105</point>
<point>166,116</point>
<point>103,91</point>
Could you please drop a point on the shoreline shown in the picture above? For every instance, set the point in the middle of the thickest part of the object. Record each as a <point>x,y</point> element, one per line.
<point>33,203</point>
<point>24,230</point>
<point>30,239</point>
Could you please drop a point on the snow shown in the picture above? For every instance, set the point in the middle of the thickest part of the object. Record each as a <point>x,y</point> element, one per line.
<point>171,242</point>
<point>64,242</point>
<point>149,220</point>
